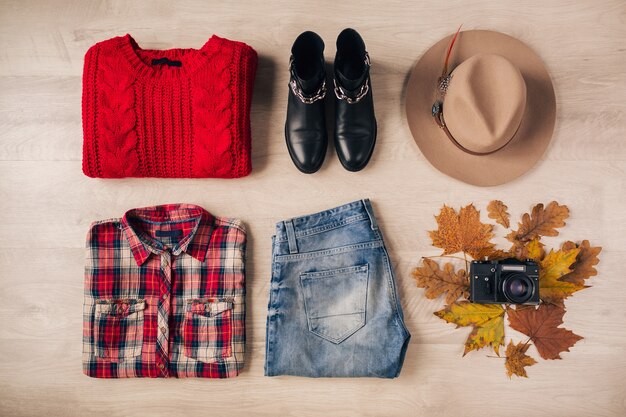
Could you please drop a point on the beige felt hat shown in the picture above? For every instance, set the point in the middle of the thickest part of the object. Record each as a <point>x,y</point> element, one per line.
<point>488,117</point>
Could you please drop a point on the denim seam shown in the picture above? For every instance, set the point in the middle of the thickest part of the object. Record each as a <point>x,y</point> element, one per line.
<point>339,271</point>
<point>337,315</point>
<point>327,227</point>
<point>334,212</point>
<point>306,308</point>
<point>394,296</point>
<point>269,335</point>
<point>331,226</point>
<point>327,252</point>
<point>342,339</point>
<point>392,291</point>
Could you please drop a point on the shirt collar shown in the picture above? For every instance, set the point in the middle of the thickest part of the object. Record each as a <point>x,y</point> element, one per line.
<point>195,243</point>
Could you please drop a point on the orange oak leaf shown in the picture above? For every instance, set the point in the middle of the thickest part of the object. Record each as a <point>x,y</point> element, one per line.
<point>462,232</point>
<point>542,326</point>
<point>583,267</point>
<point>438,281</point>
<point>517,359</point>
<point>498,211</point>
<point>487,321</point>
<point>553,266</point>
<point>540,222</point>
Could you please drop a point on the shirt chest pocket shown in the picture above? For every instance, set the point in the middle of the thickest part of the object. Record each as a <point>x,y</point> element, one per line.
<point>208,329</point>
<point>118,328</point>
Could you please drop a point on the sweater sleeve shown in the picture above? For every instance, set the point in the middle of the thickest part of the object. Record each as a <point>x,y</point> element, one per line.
<point>90,148</point>
<point>246,71</point>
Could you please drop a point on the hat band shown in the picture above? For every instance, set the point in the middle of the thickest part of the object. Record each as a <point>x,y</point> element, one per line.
<point>438,115</point>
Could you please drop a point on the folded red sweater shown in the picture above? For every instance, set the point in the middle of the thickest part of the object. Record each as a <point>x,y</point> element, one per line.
<point>167,113</point>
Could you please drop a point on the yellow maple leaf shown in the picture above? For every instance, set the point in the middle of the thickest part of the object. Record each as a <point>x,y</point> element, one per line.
<point>462,232</point>
<point>554,266</point>
<point>517,359</point>
<point>534,250</point>
<point>487,321</point>
<point>490,333</point>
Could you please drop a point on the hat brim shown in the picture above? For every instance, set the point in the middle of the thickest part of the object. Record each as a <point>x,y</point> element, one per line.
<point>533,135</point>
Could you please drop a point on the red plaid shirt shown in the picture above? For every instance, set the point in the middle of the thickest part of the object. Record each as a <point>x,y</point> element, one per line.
<point>164,295</point>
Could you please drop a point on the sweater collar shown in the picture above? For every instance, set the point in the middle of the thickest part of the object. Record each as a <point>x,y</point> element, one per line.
<point>191,59</point>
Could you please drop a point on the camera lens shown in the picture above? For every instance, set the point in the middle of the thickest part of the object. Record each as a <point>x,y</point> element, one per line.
<point>517,288</point>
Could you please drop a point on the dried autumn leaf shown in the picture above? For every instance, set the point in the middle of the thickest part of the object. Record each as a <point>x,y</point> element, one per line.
<point>437,281</point>
<point>542,326</point>
<point>583,267</point>
<point>487,321</point>
<point>517,359</point>
<point>553,266</point>
<point>529,250</point>
<point>462,232</point>
<point>498,211</point>
<point>490,333</point>
<point>541,222</point>
<point>534,250</point>
<point>492,254</point>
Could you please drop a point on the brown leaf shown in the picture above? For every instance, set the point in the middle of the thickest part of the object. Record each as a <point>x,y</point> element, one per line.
<point>553,266</point>
<point>487,321</point>
<point>462,232</point>
<point>492,254</point>
<point>517,359</point>
<point>438,281</point>
<point>529,250</point>
<point>542,326</point>
<point>540,222</point>
<point>498,211</point>
<point>583,267</point>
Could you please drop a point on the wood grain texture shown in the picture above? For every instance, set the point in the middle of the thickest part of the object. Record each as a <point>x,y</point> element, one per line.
<point>47,204</point>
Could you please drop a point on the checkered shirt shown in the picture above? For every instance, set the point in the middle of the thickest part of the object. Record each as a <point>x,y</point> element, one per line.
<point>164,295</point>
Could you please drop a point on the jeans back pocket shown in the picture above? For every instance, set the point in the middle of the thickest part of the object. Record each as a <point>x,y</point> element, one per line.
<point>118,328</point>
<point>335,301</point>
<point>208,329</point>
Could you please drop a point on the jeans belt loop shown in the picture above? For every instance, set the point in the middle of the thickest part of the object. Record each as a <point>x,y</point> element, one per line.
<point>291,237</point>
<point>370,213</point>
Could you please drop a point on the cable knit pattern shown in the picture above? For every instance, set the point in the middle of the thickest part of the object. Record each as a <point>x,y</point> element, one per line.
<point>213,116</point>
<point>116,122</point>
<point>145,116</point>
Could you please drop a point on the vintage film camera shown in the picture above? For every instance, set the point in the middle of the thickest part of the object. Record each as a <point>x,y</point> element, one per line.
<point>506,281</point>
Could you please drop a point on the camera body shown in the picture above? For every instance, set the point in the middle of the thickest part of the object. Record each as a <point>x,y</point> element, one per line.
<point>507,281</point>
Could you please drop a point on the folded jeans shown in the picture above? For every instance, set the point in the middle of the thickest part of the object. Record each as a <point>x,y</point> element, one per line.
<point>333,308</point>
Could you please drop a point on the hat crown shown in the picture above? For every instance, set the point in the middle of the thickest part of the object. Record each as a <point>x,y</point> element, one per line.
<point>485,102</point>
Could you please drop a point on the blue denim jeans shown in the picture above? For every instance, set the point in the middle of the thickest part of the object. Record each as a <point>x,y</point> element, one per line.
<point>333,308</point>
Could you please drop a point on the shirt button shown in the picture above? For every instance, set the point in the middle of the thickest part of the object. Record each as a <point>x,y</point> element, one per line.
<point>165,296</point>
<point>163,329</point>
<point>161,366</point>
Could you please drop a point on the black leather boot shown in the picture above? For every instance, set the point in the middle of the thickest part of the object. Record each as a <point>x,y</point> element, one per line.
<point>305,128</point>
<point>355,122</point>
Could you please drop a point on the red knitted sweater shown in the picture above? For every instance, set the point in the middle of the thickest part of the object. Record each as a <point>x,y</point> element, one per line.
<point>167,113</point>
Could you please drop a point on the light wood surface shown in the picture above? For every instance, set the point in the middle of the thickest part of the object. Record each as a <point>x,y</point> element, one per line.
<point>46,204</point>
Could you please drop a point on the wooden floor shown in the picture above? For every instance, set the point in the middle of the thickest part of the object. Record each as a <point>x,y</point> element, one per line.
<point>47,204</point>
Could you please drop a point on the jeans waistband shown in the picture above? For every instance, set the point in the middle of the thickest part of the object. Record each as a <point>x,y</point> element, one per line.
<point>288,230</point>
